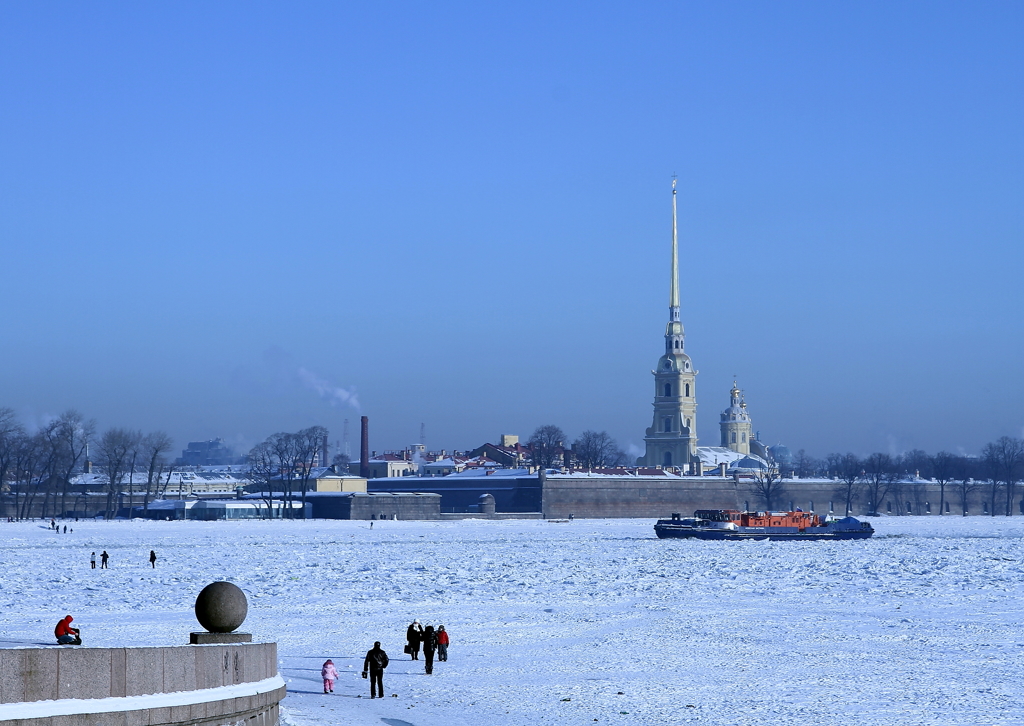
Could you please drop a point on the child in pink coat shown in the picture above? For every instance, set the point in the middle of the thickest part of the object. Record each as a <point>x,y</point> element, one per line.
<point>330,674</point>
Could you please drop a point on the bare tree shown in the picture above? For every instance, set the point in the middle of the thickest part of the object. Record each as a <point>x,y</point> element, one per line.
<point>50,465</point>
<point>133,456</point>
<point>848,469</point>
<point>1004,458</point>
<point>115,447</point>
<point>964,471</point>
<point>341,461</point>
<point>284,455</point>
<point>943,468</point>
<point>154,446</point>
<point>804,465</point>
<point>28,455</point>
<point>880,473</point>
<point>918,463</point>
<point>596,449</point>
<point>768,483</point>
<point>309,446</point>
<point>11,433</point>
<point>262,470</point>
<point>72,436</point>
<point>546,446</point>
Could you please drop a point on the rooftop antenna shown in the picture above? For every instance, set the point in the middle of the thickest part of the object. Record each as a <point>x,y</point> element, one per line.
<point>423,435</point>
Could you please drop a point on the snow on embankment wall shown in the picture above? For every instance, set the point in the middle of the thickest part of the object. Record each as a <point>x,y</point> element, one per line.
<point>199,685</point>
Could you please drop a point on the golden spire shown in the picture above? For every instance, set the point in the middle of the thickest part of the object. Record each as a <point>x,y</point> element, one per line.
<point>673,302</point>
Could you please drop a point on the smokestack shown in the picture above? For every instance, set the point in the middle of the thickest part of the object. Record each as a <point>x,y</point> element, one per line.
<point>364,447</point>
<point>325,459</point>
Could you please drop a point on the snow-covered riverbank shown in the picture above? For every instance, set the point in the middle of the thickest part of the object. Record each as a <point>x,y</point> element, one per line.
<point>594,620</point>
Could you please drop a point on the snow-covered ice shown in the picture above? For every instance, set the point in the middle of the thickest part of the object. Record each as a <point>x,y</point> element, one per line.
<point>593,621</point>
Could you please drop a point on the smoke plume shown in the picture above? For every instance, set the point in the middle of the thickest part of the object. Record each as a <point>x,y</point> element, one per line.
<point>332,394</point>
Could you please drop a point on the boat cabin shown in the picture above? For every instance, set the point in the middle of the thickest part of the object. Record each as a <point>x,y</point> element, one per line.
<point>800,520</point>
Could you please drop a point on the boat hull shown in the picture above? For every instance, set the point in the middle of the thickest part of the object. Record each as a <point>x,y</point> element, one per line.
<point>670,531</point>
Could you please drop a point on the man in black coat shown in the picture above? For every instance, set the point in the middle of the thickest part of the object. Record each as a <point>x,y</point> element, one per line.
<point>413,636</point>
<point>374,664</point>
<point>429,646</point>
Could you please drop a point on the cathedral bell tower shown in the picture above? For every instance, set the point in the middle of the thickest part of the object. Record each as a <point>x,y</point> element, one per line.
<point>735,424</point>
<point>672,439</point>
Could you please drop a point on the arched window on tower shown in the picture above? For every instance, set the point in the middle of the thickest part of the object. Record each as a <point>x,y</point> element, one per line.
<point>668,390</point>
<point>667,459</point>
<point>744,438</point>
<point>687,389</point>
<point>668,423</point>
<point>734,437</point>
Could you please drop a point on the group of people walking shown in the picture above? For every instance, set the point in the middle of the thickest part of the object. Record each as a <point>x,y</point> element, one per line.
<point>431,641</point>
<point>104,558</point>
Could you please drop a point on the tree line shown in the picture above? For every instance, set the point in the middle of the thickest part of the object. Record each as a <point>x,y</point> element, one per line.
<point>591,450</point>
<point>878,477</point>
<point>37,467</point>
<point>281,467</point>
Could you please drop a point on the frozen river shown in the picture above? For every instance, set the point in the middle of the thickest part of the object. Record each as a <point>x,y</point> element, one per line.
<point>594,621</point>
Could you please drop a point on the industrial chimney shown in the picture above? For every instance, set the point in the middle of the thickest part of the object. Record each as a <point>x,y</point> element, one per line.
<point>364,447</point>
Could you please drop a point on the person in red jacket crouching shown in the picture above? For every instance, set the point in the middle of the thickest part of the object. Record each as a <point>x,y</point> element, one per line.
<point>66,635</point>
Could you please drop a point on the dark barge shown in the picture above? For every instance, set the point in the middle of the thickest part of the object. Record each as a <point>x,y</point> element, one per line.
<point>731,524</point>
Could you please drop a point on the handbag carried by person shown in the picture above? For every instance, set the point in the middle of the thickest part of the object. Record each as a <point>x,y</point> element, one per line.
<point>408,649</point>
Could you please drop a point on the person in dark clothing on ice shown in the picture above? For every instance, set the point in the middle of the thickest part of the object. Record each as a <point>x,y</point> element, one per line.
<point>413,636</point>
<point>374,664</point>
<point>429,646</point>
<point>103,560</point>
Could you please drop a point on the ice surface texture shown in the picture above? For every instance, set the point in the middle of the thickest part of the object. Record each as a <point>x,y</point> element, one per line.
<point>918,625</point>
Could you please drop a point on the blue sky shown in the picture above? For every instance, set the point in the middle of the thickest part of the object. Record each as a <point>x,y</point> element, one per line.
<point>233,219</point>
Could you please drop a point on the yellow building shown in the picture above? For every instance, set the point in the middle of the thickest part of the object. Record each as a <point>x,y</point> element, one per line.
<point>339,483</point>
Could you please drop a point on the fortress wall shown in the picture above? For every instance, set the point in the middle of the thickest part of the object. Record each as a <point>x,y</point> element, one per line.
<point>658,497</point>
<point>59,686</point>
<point>655,497</point>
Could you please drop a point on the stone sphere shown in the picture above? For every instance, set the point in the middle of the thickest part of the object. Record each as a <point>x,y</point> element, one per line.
<point>221,607</point>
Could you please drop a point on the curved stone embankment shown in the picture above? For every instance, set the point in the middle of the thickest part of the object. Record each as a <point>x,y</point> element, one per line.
<point>201,685</point>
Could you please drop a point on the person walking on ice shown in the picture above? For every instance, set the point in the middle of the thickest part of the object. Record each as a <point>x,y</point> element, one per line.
<point>92,560</point>
<point>330,674</point>
<point>413,636</point>
<point>103,560</point>
<point>429,646</point>
<point>442,643</point>
<point>152,560</point>
<point>374,664</point>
